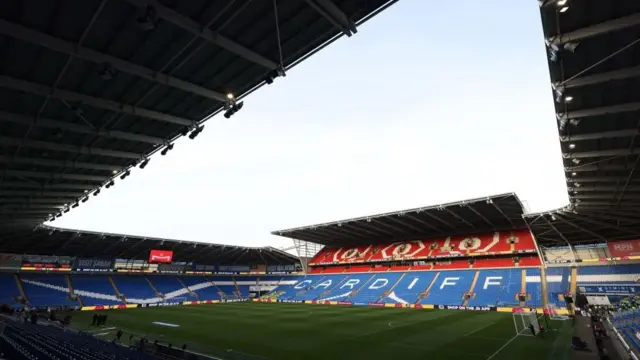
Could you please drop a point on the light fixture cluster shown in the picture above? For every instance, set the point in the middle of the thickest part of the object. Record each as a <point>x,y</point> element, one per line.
<point>231,106</point>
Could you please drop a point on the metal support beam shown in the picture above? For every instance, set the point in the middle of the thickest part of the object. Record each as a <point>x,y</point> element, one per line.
<point>604,205</point>
<point>28,35</point>
<point>604,153</point>
<point>80,129</point>
<point>58,163</point>
<point>603,188</point>
<point>68,148</point>
<point>416,219</point>
<point>601,167</point>
<point>601,135</point>
<point>605,196</point>
<point>334,15</point>
<point>53,176</point>
<point>598,78</point>
<point>43,193</point>
<point>570,223</point>
<point>43,90</point>
<point>434,217</point>
<point>52,208</point>
<point>600,111</point>
<point>561,235</point>
<point>502,213</point>
<point>58,186</point>
<point>397,220</point>
<point>470,207</point>
<point>595,30</point>
<point>196,28</point>
<point>601,223</point>
<point>459,217</point>
<point>18,200</point>
<point>592,179</point>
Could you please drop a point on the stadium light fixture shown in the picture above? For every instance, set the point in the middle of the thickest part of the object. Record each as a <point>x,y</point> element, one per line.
<point>125,174</point>
<point>85,199</point>
<point>561,3</point>
<point>75,205</point>
<point>144,163</point>
<point>577,185</point>
<point>233,108</point>
<point>149,20</point>
<point>230,96</point>
<point>166,149</point>
<point>573,174</point>
<point>96,193</point>
<point>564,9</point>
<point>196,132</point>
<point>107,72</point>
<point>575,161</point>
<point>114,171</point>
<point>572,146</point>
<point>109,184</point>
<point>571,46</point>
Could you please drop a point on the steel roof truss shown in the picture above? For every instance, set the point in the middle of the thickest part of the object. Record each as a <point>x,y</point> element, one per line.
<point>205,33</point>
<point>595,30</point>
<point>44,90</point>
<point>68,148</point>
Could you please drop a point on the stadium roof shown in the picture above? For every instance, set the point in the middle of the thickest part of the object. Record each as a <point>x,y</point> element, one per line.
<point>45,240</point>
<point>594,61</point>
<point>492,213</point>
<point>89,89</point>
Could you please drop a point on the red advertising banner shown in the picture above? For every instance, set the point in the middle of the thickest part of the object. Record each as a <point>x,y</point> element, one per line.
<point>624,248</point>
<point>161,256</point>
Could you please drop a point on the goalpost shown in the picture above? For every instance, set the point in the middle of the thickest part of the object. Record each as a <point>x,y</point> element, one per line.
<point>523,322</point>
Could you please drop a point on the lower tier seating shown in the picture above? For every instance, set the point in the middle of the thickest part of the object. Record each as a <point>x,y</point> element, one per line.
<point>47,290</point>
<point>29,342</point>
<point>10,291</point>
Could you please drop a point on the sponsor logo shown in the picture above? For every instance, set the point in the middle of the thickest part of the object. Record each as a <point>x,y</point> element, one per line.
<point>345,303</point>
<point>376,304</point>
<point>470,308</point>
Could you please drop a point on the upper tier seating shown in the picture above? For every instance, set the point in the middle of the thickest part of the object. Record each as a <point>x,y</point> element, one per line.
<point>94,290</point>
<point>506,242</point>
<point>30,342</point>
<point>47,290</point>
<point>9,290</point>
<point>136,289</point>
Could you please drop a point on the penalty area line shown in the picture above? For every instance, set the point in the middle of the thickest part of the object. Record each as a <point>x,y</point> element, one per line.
<point>503,346</point>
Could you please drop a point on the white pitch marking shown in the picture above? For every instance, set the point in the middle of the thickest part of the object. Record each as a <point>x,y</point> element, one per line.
<point>102,334</point>
<point>503,346</point>
<point>164,324</point>
<point>390,324</point>
<point>480,328</point>
<point>101,329</point>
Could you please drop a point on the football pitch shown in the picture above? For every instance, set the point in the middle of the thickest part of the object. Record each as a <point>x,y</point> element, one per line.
<point>300,331</point>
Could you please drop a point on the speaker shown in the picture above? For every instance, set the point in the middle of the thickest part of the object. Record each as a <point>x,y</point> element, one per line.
<point>522,297</point>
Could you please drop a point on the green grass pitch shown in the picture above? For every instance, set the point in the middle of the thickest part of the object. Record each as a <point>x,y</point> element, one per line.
<point>300,331</point>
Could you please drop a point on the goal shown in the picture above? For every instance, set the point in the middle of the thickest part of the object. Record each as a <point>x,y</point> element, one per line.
<point>524,321</point>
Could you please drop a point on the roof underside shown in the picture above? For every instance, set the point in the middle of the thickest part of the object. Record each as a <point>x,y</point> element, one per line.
<point>596,87</point>
<point>493,213</point>
<point>90,88</point>
<point>65,242</point>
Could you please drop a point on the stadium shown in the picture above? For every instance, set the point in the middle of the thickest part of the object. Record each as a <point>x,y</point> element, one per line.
<point>91,90</point>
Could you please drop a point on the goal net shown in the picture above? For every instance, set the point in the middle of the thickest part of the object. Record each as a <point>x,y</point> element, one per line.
<point>526,323</point>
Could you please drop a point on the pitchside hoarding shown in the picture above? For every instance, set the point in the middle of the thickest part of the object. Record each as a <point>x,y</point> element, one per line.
<point>161,256</point>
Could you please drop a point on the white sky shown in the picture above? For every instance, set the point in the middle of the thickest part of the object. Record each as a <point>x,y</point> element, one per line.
<point>430,102</point>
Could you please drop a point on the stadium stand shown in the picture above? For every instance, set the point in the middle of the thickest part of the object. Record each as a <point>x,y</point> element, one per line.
<point>202,287</point>
<point>47,290</point>
<point>10,291</point>
<point>30,342</point>
<point>94,290</point>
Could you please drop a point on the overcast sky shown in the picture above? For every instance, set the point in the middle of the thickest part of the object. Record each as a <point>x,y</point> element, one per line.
<point>430,102</point>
